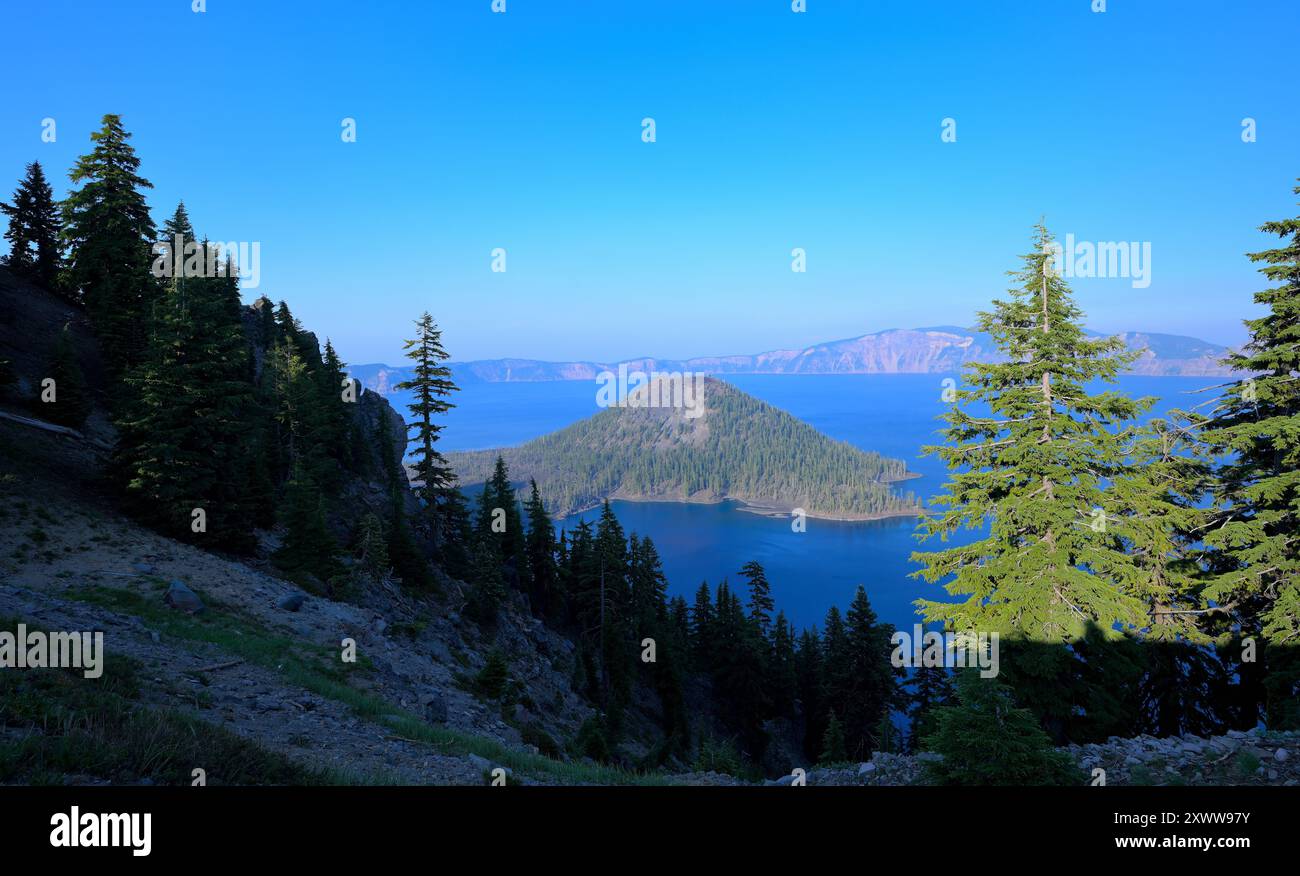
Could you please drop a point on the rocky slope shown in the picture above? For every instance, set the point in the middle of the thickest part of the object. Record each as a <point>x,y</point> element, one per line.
<point>263,659</point>
<point>1237,758</point>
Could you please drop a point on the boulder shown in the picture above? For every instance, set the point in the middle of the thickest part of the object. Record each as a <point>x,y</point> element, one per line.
<point>292,602</point>
<point>435,709</point>
<point>487,766</point>
<point>183,598</point>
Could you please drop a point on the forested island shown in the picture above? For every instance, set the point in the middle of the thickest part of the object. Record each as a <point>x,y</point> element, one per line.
<point>739,448</point>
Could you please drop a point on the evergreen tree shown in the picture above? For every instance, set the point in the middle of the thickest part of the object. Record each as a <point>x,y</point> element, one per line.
<point>308,547</point>
<point>494,678</point>
<point>1255,535</point>
<point>543,575</point>
<point>1033,472</point>
<point>488,592</point>
<point>868,688</point>
<point>34,229</point>
<point>335,414</point>
<point>932,688</point>
<point>405,557</point>
<point>108,233</point>
<point>760,596</point>
<point>702,627</point>
<point>837,661</point>
<point>184,429</point>
<point>431,385</point>
<point>986,740</point>
<point>833,750</point>
<point>1036,471</point>
<point>739,672</point>
<point>372,549</point>
<point>783,676</point>
<point>811,688</point>
<point>511,540</point>
<point>648,584</point>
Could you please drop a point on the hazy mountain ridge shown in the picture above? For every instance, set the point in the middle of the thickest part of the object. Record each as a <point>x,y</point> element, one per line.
<point>932,350</point>
<point>738,448</point>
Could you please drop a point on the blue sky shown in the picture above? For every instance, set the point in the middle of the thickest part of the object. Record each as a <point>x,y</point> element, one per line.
<point>775,130</point>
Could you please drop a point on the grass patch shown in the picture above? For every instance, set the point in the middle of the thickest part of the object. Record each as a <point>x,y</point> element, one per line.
<point>69,724</point>
<point>301,662</point>
<point>319,671</point>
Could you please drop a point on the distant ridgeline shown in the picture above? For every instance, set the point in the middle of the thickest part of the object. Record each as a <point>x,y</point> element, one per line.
<point>739,448</point>
<point>934,350</point>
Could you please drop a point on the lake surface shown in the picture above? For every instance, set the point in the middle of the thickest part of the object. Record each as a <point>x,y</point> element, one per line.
<point>893,414</point>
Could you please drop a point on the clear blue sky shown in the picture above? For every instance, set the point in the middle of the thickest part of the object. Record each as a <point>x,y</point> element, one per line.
<point>775,130</point>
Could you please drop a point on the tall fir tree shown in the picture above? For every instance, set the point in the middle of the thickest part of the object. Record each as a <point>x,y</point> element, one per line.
<point>108,233</point>
<point>1256,427</point>
<point>431,386</point>
<point>1034,471</point>
<point>869,687</point>
<point>184,428</point>
<point>702,627</point>
<point>761,604</point>
<point>35,228</point>
<point>545,595</point>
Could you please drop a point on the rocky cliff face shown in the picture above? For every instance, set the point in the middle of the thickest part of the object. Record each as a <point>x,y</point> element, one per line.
<point>408,711</point>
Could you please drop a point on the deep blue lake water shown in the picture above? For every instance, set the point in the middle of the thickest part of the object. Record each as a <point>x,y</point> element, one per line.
<point>893,414</point>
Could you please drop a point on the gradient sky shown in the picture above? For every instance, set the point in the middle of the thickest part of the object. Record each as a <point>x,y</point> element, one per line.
<point>775,130</point>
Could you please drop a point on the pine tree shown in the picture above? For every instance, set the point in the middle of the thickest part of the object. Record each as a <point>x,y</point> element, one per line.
<point>1256,426</point>
<point>868,687</point>
<point>783,678</point>
<point>184,428</point>
<point>649,587</point>
<point>308,546</point>
<point>494,678</point>
<point>335,415</point>
<point>1035,472</point>
<point>431,385</point>
<point>739,672</point>
<point>108,233</point>
<point>702,627</point>
<point>811,689</point>
<point>932,688</point>
<point>760,596</point>
<point>34,229</point>
<point>986,740</point>
<point>511,541</point>
<point>833,750</point>
<point>372,549</point>
<point>544,594</point>
<point>488,592</point>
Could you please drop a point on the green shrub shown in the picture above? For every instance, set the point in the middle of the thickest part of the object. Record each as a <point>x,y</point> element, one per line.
<point>987,740</point>
<point>493,679</point>
<point>718,756</point>
<point>592,740</point>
